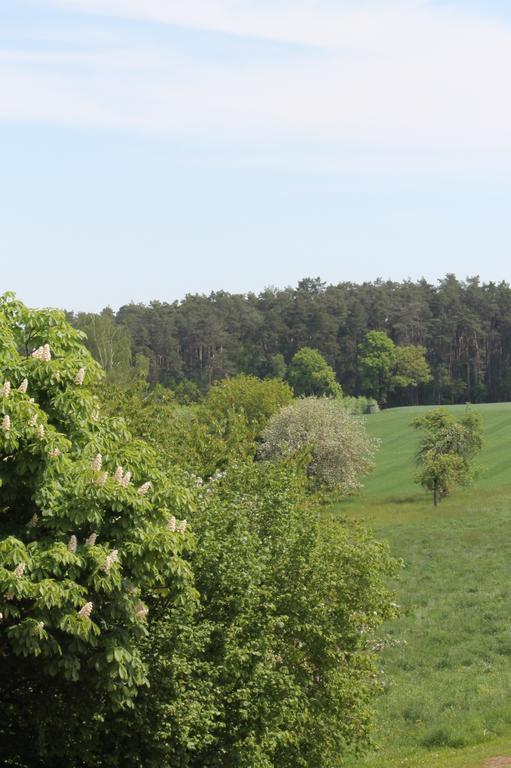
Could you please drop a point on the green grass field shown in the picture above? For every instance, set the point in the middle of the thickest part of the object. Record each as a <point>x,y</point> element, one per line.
<point>448,665</point>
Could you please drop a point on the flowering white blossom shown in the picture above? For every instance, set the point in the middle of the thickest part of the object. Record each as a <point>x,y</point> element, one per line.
<point>144,488</point>
<point>6,389</point>
<point>55,453</point>
<point>33,521</point>
<point>40,626</point>
<point>118,474</point>
<point>172,524</point>
<point>97,463</point>
<point>23,386</point>
<point>38,353</point>
<point>141,611</point>
<point>9,595</point>
<point>19,570</point>
<point>1,616</point>
<point>101,479</point>
<point>6,423</point>
<point>32,420</point>
<point>126,480</point>
<point>110,560</point>
<point>40,431</point>
<point>46,354</point>
<point>181,528</point>
<point>91,540</point>
<point>85,611</point>
<point>80,377</point>
<point>71,547</point>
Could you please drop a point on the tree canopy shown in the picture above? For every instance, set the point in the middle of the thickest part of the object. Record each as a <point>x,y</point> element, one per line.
<point>447,449</point>
<point>86,537</point>
<point>464,326</point>
<point>310,375</point>
<point>336,441</point>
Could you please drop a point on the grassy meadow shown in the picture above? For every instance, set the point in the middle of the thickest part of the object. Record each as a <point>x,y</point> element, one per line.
<point>447,699</point>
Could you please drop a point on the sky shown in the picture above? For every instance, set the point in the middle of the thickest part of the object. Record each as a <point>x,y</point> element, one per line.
<point>154,148</point>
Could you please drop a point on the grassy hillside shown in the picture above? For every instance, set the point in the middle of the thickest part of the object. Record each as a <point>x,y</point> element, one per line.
<point>448,665</point>
<point>395,464</point>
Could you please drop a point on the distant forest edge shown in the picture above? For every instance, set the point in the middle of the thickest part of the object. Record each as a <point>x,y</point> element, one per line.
<point>463,326</point>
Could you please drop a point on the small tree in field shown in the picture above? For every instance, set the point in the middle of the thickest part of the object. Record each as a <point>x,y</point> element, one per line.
<point>447,450</point>
<point>339,446</point>
<point>88,540</point>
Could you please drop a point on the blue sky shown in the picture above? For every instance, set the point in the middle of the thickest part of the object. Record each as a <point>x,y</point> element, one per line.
<point>150,148</point>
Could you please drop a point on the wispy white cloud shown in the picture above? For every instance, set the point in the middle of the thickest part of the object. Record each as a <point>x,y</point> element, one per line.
<point>407,77</point>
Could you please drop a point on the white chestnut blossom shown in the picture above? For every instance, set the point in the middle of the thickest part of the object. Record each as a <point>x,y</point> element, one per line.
<point>118,474</point>
<point>97,463</point>
<point>71,546</point>
<point>144,488</point>
<point>80,377</point>
<point>40,431</point>
<point>38,353</point>
<point>6,389</point>
<point>32,420</point>
<point>85,611</point>
<point>23,386</point>
<point>19,570</point>
<point>126,480</point>
<point>6,423</point>
<point>101,479</point>
<point>172,524</point>
<point>55,453</point>
<point>181,528</point>
<point>46,353</point>
<point>141,611</point>
<point>110,560</point>
<point>91,540</point>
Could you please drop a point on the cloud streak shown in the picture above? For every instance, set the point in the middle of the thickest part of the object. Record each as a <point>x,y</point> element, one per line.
<point>403,77</point>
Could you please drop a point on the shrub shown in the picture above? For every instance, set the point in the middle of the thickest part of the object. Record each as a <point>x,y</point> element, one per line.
<point>339,447</point>
<point>359,406</point>
<point>277,666</point>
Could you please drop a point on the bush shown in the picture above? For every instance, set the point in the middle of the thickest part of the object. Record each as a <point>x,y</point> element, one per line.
<point>359,406</point>
<point>339,447</point>
<point>276,667</point>
<point>225,427</point>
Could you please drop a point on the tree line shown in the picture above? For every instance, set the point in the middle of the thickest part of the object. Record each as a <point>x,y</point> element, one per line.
<point>463,326</point>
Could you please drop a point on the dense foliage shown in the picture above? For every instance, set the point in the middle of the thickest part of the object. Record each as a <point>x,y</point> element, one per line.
<point>465,328</point>
<point>310,375</point>
<point>205,437</point>
<point>276,667</point>
<point>339,449</point>
<point>125,639</point>
<point>447,449</point>
<point>85,542</point>
<point>386,367</point>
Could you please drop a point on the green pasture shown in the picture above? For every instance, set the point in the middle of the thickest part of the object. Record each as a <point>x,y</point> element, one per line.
<point>447,699</point>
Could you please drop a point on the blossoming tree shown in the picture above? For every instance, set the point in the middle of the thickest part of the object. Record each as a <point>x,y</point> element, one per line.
<point>88,530</point>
